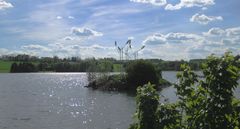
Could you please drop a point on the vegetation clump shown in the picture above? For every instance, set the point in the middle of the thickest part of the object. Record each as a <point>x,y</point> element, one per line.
<point>141,72</point>
<point>76,64</point>
<point>138,73</point>
<point>207,103</point>
<point>147,102</point>
<point>23,68</point>
<point>109,83</point>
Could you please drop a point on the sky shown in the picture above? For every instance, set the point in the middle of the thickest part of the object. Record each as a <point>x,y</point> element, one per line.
<point>169,29</point>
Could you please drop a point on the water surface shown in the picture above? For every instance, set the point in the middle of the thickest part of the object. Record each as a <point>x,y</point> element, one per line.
<point>60,101</point>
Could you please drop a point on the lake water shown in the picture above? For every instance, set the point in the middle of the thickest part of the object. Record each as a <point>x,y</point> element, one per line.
<point>60,101</point>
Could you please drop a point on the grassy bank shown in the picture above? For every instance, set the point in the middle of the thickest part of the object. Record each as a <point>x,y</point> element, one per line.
<point>5,66</point>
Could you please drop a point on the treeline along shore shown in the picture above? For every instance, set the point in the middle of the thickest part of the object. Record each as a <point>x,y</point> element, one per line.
<point>27,63</point>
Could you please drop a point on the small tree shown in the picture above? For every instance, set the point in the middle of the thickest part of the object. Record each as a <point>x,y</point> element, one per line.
<point>147,103</point>
<point>169,117</point>
<point>210,103</point>
<point>152,115</point>
<point>14,68</point>
<point>141,72</point>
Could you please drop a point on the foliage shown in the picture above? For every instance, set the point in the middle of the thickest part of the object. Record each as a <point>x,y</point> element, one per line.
<point>163,82</point>
<point>168,117</point>
<point>23,68</point>
<point>147,103</point>
<point>91,71</point>
<point>76,64</point>
<point>98,70</point>
<point>138,73</point>
<point>152,115</point>
<point>207,103</point>
<point>115,82</point>
<point>141,72</point>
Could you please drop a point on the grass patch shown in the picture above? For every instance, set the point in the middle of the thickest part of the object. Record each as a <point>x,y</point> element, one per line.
<point>5,66</point>
<point>117,67</point>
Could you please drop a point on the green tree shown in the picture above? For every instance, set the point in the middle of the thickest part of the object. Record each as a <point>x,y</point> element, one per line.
<point>147,103</point>
<point>14,68</point>
<point>141,72</point>
<point>210,103</point>
<point>207,103</point>
<point>169,116</point>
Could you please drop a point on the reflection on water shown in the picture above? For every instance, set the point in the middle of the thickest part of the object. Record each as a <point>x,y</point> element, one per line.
<point>60,101</point>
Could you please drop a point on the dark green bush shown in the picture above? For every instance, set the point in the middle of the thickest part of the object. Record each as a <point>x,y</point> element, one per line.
<point>141,72</point>
<point>24,67</point>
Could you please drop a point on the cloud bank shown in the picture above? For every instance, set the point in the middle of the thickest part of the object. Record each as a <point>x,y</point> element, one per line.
<point>85,32</point>
<point>189,4</point>
<point>190,45</point>
<point>5,5</point>
<point>203,19</point>
<point>153,2</point>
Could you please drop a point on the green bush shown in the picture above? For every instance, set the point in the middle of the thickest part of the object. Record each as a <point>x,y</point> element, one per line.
<point>24,67</point>
<point>147,103</point>
<point>207,103</point>
<point>141,72</point>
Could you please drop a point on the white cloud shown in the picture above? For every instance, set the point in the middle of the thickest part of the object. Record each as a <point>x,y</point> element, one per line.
<point>233,31</point>
<point>153,2</point>
<point>157,39</point>
<point>130,38</point>
<point>182,37</point>
<point>83,51</point>
<point>5,5</point>
<point>231,42</point>
<point>59,17</point>
<point>204,8</point>
<point>71,17</point>
<point>68,38</point>
<point>190,3</point>
<point>175,46</point>
<point>203,19</point>
<point>227,33</point>
<point>36,47</point>
<point>214,32</point>
<point>111,10</point>
<point>94,47</point>
<point>4,51</point>
<point>85,32</point>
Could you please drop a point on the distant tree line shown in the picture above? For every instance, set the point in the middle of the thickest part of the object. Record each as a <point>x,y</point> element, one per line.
<point>23,68</point>
<point>76,64</point>
<point>63,66</point>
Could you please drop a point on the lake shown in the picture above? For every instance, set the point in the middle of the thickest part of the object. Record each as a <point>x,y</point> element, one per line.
<point>60,101</point>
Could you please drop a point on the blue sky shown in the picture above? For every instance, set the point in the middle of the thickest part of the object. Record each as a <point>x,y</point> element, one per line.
<point>170,29</point>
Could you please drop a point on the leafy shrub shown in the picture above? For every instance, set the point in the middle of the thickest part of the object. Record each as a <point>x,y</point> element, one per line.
<point>168,117</point>
<point>141,72</point>
<point>152,115</point>
<point>207,103</point>
<point>147,103</point>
